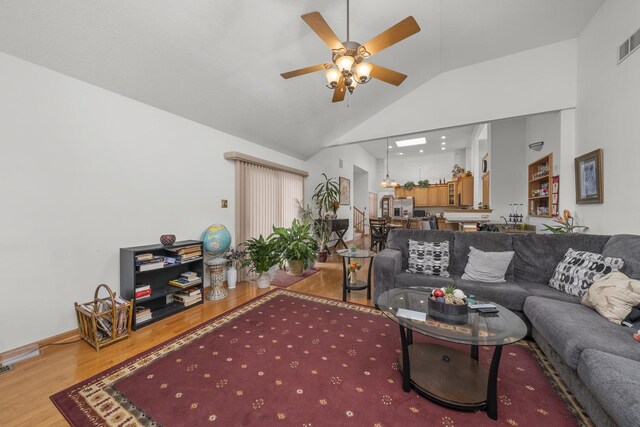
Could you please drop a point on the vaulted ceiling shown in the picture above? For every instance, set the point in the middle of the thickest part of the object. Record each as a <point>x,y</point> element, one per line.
<point>219,62</point>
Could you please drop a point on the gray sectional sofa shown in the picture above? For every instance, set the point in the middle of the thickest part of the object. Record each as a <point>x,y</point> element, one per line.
<point>599,360</point>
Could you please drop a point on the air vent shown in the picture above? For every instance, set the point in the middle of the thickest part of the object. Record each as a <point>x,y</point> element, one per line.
<point>5,368</point>
<point>629,46</point>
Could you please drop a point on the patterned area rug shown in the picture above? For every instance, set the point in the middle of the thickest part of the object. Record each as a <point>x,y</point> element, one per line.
<point>288,358</point>
<point>284,280</point>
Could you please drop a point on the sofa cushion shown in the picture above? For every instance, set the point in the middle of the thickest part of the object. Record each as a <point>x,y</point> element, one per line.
<point>430,258</point>
<point>489,267</point>
<point>399,239</point>
<point>579,269</point>
<point>627,247</point>
<point>489,242</point>
<point>507,294</point>
<point>572,328</point>
<point>540,290</point>
<point>406,280</point>
<point>537,255</point>
<point>613,296</point>
<point>613,380</point>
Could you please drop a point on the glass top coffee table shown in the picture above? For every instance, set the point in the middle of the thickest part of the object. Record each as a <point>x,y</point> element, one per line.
<point>440,373</point>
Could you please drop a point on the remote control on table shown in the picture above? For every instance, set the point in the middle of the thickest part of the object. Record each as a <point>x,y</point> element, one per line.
<point>478,306</point>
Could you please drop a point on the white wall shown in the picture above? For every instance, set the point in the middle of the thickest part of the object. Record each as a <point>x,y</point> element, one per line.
<point>433,167</point>
<point>533,81</point>
<point>607,115</point>
<point>85,172</point>
<point>508,166</point>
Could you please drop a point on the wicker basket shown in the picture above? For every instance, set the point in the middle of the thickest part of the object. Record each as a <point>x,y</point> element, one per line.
<point>96,319</point>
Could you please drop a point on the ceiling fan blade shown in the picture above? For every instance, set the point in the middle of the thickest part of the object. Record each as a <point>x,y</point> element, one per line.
<point>386,75</point>
<point>302,71</point>
<point>403,29</point>
<point>339,92</point>
<point>323,30</point>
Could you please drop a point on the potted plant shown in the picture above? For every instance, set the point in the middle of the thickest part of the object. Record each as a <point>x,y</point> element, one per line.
<point>294,245</point>
<point>326,195</point>
<point>261,255</point>
<point>321,232</point>
<point>234,257</point>
<point>457,170</point>
<point>409,185</point>
<point>423,183</point>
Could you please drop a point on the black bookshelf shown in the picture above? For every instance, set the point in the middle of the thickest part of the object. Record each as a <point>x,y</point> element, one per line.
<point>160,301</point>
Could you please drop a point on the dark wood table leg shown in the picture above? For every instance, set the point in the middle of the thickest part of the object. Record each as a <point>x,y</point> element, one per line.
<point>344,278</point>
<point>406,370</point>
<point>474,332</point>
<point>369,278</point>
<point>492,384</point>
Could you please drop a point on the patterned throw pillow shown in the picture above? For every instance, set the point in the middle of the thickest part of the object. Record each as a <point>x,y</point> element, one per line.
<point>430,258</point>
<point>579,269</point>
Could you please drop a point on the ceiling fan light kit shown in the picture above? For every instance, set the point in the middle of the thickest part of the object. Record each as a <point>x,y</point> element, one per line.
<point>348,67</point>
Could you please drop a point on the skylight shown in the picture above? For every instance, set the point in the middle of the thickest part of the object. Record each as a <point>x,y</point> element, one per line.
<point>410,142</point>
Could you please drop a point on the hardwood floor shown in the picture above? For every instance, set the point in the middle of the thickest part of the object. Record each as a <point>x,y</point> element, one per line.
<point>25,391</point>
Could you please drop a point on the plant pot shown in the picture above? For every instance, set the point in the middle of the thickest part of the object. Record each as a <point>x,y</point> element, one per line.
<point>264,280</point>
<point>457,314</point>
<point>321,256</point>
<point>232,277</point>
<point>296,267</point>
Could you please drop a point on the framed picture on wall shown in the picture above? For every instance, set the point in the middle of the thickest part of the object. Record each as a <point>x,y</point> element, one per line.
<point>589,178</point>
<point>345,191</point>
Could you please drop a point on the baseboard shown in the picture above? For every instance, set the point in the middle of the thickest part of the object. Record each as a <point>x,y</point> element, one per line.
<point>20,353</point>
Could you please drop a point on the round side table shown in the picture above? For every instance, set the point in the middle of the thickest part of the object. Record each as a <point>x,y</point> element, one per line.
<point>357,285</point>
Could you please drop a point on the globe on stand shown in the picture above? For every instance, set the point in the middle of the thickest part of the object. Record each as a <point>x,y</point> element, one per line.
<point>216,240</point>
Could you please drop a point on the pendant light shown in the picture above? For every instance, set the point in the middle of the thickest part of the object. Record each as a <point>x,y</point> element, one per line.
<point>388,182</point>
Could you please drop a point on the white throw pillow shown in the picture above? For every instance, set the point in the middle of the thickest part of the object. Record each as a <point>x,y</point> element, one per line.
<point>487,266</point>
<point>613,296</point>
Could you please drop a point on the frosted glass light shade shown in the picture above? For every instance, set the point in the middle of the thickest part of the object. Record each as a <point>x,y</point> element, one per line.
<point>345,63</point>
<point>333,76</point>
<point>363,70</point>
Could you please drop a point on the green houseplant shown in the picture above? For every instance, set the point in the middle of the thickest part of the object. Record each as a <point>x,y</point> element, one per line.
<point>321,233</point>
<point>326,195</point>
<point>294,245</point>
<point>423,183</point>
<point>261,256</point>
<point>409,185</point>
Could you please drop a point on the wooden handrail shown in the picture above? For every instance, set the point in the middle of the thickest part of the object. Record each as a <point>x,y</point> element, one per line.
<point>358,220</point>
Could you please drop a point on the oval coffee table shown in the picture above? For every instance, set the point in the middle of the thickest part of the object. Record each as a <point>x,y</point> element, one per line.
<point>442,374</point>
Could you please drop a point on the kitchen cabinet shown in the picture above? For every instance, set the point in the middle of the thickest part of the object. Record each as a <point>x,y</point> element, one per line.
<point>432,196</point>
<point>421,196</point>
<point>443,195</point>
<point>452,199</point>
<point>464,191</point>
<point>401,193</point>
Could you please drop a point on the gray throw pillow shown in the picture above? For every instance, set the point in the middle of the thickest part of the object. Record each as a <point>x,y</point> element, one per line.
<point>431,258</point>
<point>487,266</point>
<point>579,269</point>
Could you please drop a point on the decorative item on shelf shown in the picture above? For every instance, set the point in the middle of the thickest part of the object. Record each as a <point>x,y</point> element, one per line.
<point>216,290</point>
<point>167,239</point>
<point>352,249</point>
<point>423,183</point>
<point>234,257</point>
<point>261,256</point>
<point>388,182</point>
<point>409,185</point>
<point>449,305</point>
<point>457,170</point>
<point>354,267</point>
<point>468,173</point>
<point>326,196</point>
<point>566,222</point>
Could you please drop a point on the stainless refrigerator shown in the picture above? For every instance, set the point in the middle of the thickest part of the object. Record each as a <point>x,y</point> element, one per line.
<point>403,207</point>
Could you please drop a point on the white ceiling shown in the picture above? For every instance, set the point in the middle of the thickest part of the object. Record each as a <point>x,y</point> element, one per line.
<point>219,62</point>
<point>457,138</point>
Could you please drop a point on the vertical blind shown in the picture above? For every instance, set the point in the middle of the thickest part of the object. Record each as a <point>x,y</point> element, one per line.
<point>264,197</point>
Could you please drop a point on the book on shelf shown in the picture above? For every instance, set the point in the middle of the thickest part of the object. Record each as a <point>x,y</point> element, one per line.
<point>144,257</point>
<point>195,301</point>
<point>185,249</point>
<point>153,260</point>
<point>152,266</point>
<point>184,283</point>
<point>189,292</point>
<point>143,294</point>
<point>189,275</point>
<point>185,298</point>
<point>141,288</point>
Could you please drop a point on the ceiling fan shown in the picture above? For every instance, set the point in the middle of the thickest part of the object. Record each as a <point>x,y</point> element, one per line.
<point>348,67</point>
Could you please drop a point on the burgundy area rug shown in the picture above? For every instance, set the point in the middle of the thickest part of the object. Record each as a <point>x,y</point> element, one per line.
<point>287,358</point>
<point>284,280</point>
